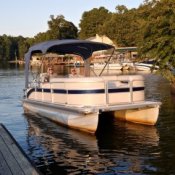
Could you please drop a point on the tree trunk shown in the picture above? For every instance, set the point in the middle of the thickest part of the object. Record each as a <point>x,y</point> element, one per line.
<point>173,88</point>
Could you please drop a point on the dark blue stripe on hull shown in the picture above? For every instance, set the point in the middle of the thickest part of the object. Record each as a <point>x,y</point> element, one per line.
<point>96,91</point>
<point>40,90</point>
<point>125,89</point>
<point>59,91</point>
<point>44,90</point>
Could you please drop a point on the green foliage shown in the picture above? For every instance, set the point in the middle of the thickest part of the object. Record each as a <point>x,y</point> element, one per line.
<point>23,45</point>
<point>159,32</point>
<point>123,27</point>
<point>121,9</point>
<point>11,48</point>
<point>92,22</point>
<point>59,28</point>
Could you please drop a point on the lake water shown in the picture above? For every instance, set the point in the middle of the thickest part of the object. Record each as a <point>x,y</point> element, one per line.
<point>118,148</point>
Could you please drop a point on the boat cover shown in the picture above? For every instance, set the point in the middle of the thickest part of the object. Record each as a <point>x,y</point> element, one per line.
<point>83,48</point>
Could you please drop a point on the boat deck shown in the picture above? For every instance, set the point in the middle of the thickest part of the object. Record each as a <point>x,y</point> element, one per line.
<point>90,109</point>
<point>12,159</point>
<point>136,105</point>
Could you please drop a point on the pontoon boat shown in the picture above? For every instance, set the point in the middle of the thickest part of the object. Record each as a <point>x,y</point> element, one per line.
<point>76,101</point>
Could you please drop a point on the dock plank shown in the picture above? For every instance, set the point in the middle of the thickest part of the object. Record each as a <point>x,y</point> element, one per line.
<point>13,156</point>
<point>4,169</point>
<point>8,157</point>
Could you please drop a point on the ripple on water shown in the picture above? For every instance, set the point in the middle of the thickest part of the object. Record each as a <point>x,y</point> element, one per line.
<point>118,147</point>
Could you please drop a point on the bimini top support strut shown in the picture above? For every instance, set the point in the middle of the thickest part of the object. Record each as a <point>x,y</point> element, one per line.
<point>82,48</point>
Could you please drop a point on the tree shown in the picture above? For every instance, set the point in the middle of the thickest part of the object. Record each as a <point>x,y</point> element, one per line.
<point>122,27</point>
<point>158,39</point>
<point>121,9</point>
<point>1,48</point>
<point>92,22</point>
<point>12,48</point>
<point>40,37</point>
<point>59,28</point>
<point>6,47</point>
<point>23,46</point>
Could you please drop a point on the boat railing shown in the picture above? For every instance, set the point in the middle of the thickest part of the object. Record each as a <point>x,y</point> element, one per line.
<point>125,91</point>
<point>109,92</point>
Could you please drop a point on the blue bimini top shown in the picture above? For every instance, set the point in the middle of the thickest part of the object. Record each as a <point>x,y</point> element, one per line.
<point>82,48</point>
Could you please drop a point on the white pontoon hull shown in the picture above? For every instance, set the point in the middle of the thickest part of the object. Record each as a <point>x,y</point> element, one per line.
<point>81,120</point>
<point>87,118</point>
<point>147,116</point>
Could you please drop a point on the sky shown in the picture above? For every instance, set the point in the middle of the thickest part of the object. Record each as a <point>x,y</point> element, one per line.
<point>29,17</point>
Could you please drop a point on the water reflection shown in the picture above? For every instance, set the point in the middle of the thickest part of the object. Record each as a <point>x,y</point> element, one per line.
<point>58,149</point>
<point>135,147</point>
<point>62,149</point>
<point>118,147</point>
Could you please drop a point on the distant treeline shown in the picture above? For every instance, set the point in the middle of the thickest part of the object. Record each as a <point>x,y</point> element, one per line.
<point>150,27</point>
<point>12,48</point>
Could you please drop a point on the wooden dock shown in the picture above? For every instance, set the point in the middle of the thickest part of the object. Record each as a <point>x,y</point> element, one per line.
<point>13,161</point>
